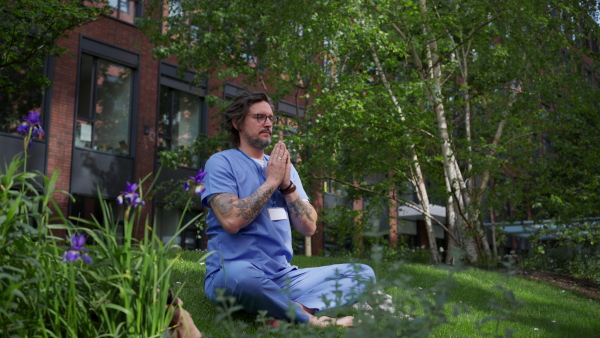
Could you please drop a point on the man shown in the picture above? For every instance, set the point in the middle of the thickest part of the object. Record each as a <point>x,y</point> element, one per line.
<point>252,198</point>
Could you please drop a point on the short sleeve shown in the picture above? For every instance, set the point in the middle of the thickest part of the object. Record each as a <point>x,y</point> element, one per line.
<point>299,188</point>
<point>219,178</point>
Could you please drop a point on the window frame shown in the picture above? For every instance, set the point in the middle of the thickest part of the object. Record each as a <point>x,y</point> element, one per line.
<point>171,110</point>
<point>122,57</point>
<point>92,116</point>
<point>138,11</point>
<point>184,82</point>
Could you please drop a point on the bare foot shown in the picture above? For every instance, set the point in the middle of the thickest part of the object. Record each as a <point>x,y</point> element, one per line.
<point>274,323</point>
<point>323,321</point>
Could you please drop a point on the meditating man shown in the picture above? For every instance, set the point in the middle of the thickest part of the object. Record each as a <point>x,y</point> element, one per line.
<point>252,199</point>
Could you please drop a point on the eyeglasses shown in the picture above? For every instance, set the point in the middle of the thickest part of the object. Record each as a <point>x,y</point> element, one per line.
<point>262,118</point>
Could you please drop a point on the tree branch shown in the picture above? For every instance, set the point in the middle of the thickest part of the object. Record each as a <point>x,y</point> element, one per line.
<point>408,203</point>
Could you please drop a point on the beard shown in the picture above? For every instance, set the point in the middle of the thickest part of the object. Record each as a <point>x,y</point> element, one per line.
<point>257,142</point>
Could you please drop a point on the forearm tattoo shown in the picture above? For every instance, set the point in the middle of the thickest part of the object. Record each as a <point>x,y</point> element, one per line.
<point>300,208</point>
<point>222,203</point>
<point>247,208</point>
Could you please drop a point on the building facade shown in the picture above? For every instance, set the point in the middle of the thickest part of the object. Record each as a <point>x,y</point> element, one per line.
<point>109,111</point>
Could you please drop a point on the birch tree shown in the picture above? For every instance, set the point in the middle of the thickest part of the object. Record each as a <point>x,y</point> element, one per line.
<point>447,95</point>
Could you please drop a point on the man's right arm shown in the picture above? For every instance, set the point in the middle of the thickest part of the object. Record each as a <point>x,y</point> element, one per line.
<point>234,213</point>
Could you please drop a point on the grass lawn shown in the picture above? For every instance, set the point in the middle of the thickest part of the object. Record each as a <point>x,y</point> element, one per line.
<point>545,310</point>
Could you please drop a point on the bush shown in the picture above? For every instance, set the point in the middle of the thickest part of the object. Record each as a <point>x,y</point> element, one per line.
<point>577,261</point>
<point>586,266</point>
<point>56,287</point>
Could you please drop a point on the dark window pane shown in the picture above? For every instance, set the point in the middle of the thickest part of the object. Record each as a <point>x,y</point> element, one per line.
<point>163,143</point>
<point>84,105</point>
<point>125,10</point>
<point>186,119</point>
<point>104,113</point>
<point>113,108</point>
<point>164,118</point>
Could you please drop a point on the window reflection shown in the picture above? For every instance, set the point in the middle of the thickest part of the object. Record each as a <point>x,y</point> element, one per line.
<point>125,10</point>
<point>179,120</point>
<point>104,106</point>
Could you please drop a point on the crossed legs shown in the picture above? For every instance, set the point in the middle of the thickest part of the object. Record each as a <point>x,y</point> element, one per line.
<point>304,291</point>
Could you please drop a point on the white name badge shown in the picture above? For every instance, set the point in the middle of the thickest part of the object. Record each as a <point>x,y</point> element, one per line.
<point>277,214</point>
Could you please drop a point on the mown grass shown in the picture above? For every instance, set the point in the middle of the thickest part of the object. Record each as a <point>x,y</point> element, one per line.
<point>544,310</point>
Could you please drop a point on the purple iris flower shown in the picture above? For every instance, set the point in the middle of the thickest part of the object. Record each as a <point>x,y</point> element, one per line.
<point>32,123</point>
<point>196,182</point>
<point>77,250</point>
<point>130,197</point>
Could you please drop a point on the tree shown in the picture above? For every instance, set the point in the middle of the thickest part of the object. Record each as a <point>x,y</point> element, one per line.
<point>446,94</point>
<point>28,32</point>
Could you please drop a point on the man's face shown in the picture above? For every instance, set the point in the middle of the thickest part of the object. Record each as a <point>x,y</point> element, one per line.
<point>252,132</point>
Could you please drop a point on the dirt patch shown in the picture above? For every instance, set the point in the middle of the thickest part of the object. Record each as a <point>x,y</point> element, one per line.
<point>585,287</point>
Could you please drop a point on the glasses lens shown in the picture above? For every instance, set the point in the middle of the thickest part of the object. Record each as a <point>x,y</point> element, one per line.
<point>262,118</point>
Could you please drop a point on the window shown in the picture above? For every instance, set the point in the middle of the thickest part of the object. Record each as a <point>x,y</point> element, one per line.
<point>104,106</point>
<point>333,187</point>
<point>179,121</point>
<point>167,220</point>
<point>174,8</point>
<point>181,114</point>
<point>181,21</point>
<point>126,10</point>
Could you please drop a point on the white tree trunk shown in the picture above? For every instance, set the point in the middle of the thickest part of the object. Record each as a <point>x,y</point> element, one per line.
<point>308,246</point>
<point>417,174</point>
<point>474,242</point>
<point>424,198</point>
<point>451,224</point>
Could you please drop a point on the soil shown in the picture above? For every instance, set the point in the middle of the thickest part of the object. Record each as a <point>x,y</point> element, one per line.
<point>585,287</point>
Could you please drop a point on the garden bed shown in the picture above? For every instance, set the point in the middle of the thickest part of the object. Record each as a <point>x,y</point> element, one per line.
<point>586,287</point>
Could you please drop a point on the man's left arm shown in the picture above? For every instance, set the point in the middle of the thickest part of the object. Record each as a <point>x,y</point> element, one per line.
<point>302,214</point>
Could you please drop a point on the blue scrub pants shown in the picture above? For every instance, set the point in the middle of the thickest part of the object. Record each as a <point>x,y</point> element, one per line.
<point>340,284</point>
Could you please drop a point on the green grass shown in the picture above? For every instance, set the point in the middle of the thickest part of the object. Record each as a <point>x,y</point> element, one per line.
<point>545,311</point>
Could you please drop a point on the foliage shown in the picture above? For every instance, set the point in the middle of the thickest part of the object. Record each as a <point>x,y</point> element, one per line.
<point>477,295</point>
<point>418,255</point>
<point>28,33</point>
<point>576,261</point>
<point>175,195</point>
<point>460,96</point>
<point>45,292</point>
<point>586,266</point>
<point>340,228</point>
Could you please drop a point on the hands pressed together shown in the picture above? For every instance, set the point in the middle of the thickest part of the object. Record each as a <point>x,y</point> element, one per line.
<point>279,166</point>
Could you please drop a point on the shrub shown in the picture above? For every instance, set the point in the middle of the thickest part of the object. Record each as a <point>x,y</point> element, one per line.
<point>56,287</point>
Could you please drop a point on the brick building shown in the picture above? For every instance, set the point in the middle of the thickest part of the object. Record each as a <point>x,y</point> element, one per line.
<point>110,109</point>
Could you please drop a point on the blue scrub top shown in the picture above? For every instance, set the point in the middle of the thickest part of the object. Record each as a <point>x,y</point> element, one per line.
<point>265,243</point>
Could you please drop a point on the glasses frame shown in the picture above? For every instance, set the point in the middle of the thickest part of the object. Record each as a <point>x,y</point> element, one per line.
<point>274,119</point>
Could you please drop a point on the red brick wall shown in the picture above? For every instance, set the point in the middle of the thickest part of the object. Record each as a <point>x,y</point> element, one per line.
<point>64,91</point>
<point>126,36</point>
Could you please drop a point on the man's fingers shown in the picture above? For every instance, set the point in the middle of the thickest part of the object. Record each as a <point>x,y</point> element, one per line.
<point>279,152</point>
